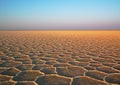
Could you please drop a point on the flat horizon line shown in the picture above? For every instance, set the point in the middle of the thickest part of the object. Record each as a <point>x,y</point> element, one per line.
<point>60,30</point>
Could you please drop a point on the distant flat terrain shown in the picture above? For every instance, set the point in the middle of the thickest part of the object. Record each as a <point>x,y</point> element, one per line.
<point>59,57</point>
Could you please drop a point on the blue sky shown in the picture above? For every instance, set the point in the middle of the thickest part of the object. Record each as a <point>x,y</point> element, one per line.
<point>60,14</point>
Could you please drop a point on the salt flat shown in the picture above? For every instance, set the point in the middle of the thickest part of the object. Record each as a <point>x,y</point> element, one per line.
<point>59,57</point>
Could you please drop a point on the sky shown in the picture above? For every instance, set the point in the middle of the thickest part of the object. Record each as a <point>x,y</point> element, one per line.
<point>59,14</point>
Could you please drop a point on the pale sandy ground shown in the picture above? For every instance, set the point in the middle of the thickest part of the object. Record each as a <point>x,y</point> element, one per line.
<point>59,57</point>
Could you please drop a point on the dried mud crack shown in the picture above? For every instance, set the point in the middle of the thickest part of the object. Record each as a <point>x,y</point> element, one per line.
<point>59,57</point>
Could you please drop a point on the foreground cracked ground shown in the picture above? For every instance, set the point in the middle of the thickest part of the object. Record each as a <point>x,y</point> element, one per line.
<point>59,57</point>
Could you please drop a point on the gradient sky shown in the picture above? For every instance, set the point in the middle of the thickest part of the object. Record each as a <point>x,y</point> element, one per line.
<point>60,14</point>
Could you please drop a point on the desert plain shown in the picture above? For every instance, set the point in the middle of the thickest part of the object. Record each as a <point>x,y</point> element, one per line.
<point>60,57</point>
